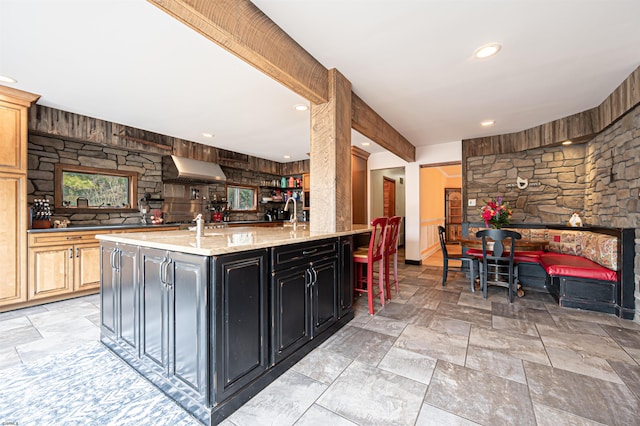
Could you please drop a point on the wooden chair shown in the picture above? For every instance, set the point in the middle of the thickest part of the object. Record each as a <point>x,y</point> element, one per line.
<point>497,266</point>
<point>391,249</point>
<point>364,260</point>
<point>446,268</point>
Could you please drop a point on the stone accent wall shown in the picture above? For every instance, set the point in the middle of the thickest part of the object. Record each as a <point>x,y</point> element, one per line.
<point>600,179</point>
<point>44,152</point>
<point>559,172</point>
<point>613,181</point>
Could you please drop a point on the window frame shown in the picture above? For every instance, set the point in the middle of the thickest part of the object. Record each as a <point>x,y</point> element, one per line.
<point>58,188</point>
<point>242,186</point>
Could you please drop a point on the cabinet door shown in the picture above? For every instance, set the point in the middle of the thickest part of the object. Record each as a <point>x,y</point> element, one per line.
<point>188,328</point>
<point>13,238</point>
<point>290,307</point>
<point>325,274</point>
<point>153,303</point>
<point>128,308</point>
<point>13,124</point>
<point>50,271</point>
<point>87,267</point>
<point>108,289</point>
<point>241,320</point>
<point>345,279</point>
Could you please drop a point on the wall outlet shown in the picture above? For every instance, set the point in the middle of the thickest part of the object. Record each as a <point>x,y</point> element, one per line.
<point>472,202</point>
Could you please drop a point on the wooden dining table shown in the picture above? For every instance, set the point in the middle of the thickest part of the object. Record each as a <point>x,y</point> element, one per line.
<point>521,246</point>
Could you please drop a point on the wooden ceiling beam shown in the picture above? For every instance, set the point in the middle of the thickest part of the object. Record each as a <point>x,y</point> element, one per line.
<point>366,121</point>
<point>245,31</point>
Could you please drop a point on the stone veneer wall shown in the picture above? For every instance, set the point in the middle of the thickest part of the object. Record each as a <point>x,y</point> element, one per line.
<point>45,151</point>
<point>600,178</point>
<point>559,171</point>
<point>613,181</point>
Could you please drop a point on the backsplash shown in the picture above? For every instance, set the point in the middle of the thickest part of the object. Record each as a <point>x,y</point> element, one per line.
<point>178,206</point>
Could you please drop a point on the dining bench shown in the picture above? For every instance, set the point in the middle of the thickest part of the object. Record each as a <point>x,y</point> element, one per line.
<point>587,268</point>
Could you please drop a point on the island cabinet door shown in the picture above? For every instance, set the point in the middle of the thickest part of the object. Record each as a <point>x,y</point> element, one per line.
<point>154,307</point>
<point>108,290</point>
<point>187,282</point>
<point>241,320</point>
<point>324,291</point>
<point>119,293</point>
<point>290,310</point>
<point>345,278</point>
<point>128,306</point>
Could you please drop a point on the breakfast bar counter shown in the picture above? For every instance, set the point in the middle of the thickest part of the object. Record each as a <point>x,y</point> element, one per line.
<point>212,320</point>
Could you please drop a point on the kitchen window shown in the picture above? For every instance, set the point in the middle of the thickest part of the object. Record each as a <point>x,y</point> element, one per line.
<point>79,187</point>
<point>242,198</point>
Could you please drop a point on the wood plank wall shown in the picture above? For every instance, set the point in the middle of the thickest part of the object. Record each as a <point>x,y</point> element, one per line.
<point>577,127</point>
<point>79,128</point>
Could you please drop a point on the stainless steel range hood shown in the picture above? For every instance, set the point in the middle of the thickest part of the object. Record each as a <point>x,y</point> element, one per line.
<point>187,170</point>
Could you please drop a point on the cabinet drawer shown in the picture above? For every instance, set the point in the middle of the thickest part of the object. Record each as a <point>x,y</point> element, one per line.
<point>296,254</point>
<point>53,238</point>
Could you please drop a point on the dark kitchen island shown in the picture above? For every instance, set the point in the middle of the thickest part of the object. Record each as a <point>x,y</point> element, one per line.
<point>213,320</point>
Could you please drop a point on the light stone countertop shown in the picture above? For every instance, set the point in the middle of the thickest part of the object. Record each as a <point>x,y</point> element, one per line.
<point>227,240</point>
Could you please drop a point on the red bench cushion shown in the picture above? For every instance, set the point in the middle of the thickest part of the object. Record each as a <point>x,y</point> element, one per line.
<point>567,265</point>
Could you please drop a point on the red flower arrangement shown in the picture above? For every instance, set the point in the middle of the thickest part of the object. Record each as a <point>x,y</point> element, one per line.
<point>496,213</point>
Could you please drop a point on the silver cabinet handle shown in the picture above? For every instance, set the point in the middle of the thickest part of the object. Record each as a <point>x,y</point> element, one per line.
<point>308,252</point>
<point>77,252</point>
<point>167,276</point>
<point>71,253</point>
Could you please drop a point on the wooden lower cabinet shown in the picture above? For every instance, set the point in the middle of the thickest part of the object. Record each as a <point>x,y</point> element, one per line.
<point>86,267</point>
<point>50,271</point>
<point>63,269</point>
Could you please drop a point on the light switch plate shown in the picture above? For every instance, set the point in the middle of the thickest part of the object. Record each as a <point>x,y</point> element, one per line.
<point>472,202</point>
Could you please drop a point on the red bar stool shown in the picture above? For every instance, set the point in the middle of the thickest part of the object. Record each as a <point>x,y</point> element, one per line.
<point>391,249</point>
<point>364,259</point>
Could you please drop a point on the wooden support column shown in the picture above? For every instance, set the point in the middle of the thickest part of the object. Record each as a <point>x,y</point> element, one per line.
<point>330,166</point>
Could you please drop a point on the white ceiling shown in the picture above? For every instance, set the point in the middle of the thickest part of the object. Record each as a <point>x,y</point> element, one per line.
<point>128,62</point>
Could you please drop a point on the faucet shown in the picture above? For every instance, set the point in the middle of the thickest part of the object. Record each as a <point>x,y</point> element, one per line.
<point>199,226</point>
<point>294,218</point>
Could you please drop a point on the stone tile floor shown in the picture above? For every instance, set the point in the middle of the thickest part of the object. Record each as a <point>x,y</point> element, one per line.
<point>432,356</point>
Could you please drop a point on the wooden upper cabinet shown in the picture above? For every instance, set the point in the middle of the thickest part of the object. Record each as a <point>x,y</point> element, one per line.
<point>306,182</point>
<point>12,158</point>
<point>14,109</point>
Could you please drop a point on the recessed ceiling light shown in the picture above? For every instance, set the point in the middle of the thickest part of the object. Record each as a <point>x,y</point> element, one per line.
<point>487,50</point>
<point>487,123</point>
<point>287,156</point>
<point>7,79</point>
<point>567,142</point>
<point>366,143</point>
<point>301,107</point>
<point>207,135</point>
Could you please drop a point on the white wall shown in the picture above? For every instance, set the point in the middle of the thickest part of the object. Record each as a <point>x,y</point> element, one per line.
<point>431,154</point>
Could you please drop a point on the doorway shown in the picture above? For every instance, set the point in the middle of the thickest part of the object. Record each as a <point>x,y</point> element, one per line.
<point>389,197</point>
<point>387,192</point>
<point>453,214</point>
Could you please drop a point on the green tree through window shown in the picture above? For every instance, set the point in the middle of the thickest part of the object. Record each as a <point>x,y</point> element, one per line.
<point>102,188</point>
<point>242,197</point>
